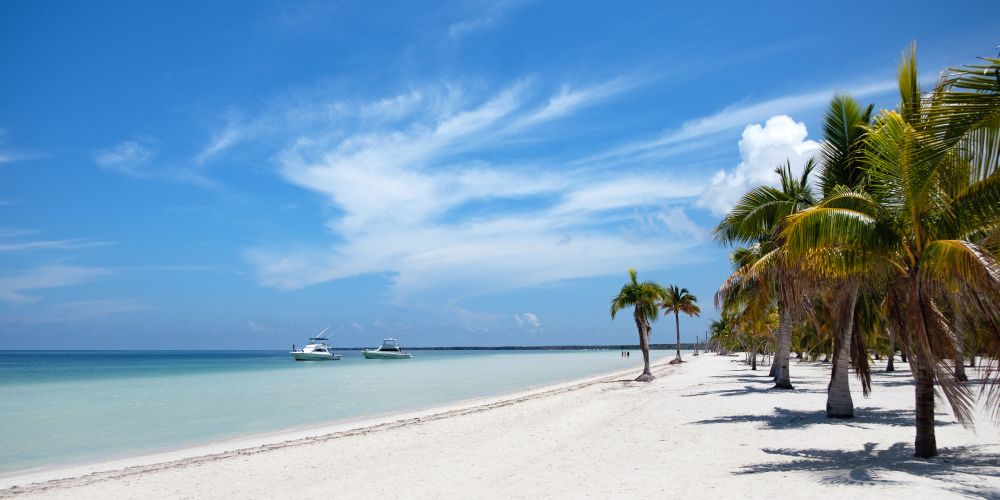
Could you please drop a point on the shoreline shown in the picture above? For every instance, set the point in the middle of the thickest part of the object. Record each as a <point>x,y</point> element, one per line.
<point>41,479</point>
<point>704,428</point>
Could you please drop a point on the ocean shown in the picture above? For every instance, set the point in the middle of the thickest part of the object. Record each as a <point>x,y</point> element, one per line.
<point>68,407</point>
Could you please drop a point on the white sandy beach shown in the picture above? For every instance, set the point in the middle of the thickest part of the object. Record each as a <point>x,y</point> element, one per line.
<point>709,427</point>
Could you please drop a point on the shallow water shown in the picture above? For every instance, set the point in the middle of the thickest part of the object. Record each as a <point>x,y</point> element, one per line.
<point>80,406</point>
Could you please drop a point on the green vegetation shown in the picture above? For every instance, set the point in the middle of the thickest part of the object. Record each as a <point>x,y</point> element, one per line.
<point>899,252</point>
<point>646,299</point>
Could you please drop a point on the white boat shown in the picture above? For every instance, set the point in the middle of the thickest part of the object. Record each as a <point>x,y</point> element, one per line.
<point>316,350</point>
<point>388,350</point>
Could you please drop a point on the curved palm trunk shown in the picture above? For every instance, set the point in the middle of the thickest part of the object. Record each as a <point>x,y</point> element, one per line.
<point>677,323</point>
<point>783,354</point>
<point>640,323</point>
<point>838,394</point>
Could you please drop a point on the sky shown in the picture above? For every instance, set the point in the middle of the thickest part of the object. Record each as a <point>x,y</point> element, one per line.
<point>241,175</point>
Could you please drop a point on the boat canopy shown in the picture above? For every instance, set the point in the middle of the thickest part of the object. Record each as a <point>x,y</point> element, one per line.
<point>318,339</point>
<point>390,344</point>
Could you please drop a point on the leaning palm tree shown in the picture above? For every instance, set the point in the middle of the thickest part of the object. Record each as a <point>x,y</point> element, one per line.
<point>677,301</point>
<point>756,220</point>
<point>920,235</point>
<point>643,298</point>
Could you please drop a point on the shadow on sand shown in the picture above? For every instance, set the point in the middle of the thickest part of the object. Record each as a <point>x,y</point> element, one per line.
<point>748,389</point>
<point>783,418</point>
<point>868,465</point>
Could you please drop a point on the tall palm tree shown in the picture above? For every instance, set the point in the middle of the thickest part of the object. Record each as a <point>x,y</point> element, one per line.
<point>677,301</point>
<point>845,128</point>
<point>756,220</point>
<point>917,234</point>
<point>643,298</point>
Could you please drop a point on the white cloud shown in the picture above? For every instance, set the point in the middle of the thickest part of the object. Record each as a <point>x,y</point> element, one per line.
<point>678,223</point>
<point>8,156</point>
<point>699,133</point>
<point>222,140</point>
<point>420,201</point>
<point>762,148</point>
<point>22,246</point>
<point>14,286</point>
<point>528,321</point>
<point>127,158</point>
<point>483,22</point>
<point>134,158</point>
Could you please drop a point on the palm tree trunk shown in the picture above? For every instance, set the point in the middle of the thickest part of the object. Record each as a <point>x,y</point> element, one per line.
<point>783,353</point>
<point>892,352</point>
<point>838,394</point>
<point>640,323</point>
<point>677,323</point>
<point>960,355</point>
<point>926,444</point>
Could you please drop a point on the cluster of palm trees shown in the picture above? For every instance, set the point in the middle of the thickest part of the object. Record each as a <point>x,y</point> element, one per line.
<point>646,299</point>
<point>894,247</point>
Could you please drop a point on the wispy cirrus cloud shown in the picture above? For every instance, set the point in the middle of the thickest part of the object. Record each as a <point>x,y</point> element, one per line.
<point>26,240</point>
<point>9,156</point>
<point>14,287</point>
<point>423,200</point>
<point>485,20</point>
<point>23,246</point>
<point>128,157</point>
<point>137,158</point>
<point>431,188</point>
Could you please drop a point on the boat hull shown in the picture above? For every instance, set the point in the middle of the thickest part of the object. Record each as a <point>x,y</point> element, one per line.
<point>386,355</point>
<point>314,356</point>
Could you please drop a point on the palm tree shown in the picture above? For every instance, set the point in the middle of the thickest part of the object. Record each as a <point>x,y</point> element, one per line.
<point>845,128</point>
<point>643,298</point>
<point>927,220</point>
<point>756,220</point>
<point>677,301</point>
<point>722,334</point>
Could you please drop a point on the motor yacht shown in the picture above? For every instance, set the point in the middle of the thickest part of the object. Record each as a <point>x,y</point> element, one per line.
<point>388,350</point>
<point>316,350</point>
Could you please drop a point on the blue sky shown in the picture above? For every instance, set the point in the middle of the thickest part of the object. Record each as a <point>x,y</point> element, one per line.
<point>242,174</point>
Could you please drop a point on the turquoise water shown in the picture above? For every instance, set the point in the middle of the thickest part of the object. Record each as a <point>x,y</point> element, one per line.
<point>82,406</point>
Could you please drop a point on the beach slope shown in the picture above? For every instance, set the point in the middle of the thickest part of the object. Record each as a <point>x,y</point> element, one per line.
<point>709,427</point>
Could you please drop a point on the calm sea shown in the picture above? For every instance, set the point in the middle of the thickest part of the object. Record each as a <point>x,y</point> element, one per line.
<point>81,406</point>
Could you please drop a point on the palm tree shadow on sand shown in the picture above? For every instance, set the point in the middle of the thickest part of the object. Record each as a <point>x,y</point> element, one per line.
<point>868,466</point>
<point>783,418</point>
<point>748,390</point>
